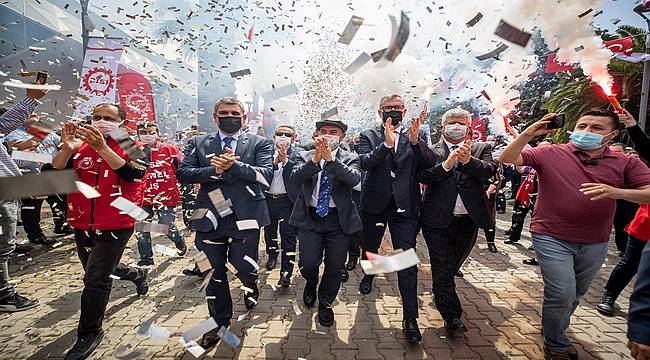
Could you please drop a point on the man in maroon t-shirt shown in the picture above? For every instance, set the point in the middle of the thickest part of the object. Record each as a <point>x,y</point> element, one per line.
<point>579,183</point>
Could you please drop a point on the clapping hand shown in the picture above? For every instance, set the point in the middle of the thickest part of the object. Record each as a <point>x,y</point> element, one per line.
<point>69,141</point>
<point>224,161</point>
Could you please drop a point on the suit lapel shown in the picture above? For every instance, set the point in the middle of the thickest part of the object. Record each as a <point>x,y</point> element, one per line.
<point>241,144</point>
<point>215,145</point>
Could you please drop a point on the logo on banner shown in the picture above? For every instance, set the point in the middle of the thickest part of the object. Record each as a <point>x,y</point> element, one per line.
<point>98,81</point>
<point>137,103</point>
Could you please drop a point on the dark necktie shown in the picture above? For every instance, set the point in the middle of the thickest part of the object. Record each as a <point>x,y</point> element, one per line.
<point>227,142</point>
<point>323,204</point>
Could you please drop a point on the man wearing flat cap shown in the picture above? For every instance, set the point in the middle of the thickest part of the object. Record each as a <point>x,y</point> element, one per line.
<point>325,214</point>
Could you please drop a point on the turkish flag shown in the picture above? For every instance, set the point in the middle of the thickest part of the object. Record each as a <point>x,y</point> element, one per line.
<point>623,45</point>
<point>135,96</point>
<point>553,65</point>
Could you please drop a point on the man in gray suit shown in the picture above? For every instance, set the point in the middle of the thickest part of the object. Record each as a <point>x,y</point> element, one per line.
<point>325,214</point>
<point>455,206</point>
<point>235,163</point>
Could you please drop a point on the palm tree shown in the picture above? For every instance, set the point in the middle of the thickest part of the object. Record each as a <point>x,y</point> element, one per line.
<point>576,93</point>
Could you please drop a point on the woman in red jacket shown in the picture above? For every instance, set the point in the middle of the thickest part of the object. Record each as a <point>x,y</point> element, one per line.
<point>101,230</point>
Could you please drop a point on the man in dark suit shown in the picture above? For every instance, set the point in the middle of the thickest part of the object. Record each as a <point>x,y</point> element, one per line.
<point>280,198</point>
<point>454,207</point>
<point>235,163</point>
<point>390,194</point>
<point>325,214</point>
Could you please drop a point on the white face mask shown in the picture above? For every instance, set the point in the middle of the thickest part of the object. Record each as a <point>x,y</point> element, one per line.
<point>334,140</point>
<point>283,140</point>
<point>455,131</point>
<point>105,126</point>
<point>148,139</point>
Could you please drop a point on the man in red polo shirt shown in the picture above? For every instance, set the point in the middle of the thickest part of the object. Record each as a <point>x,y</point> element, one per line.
<point>101,230</point>
<point>160,193</point>
<point>572,222</point>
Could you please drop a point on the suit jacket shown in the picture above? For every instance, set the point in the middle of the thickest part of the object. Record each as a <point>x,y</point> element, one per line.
<point>238,183</point>
<point>443,187</point>
<point>287,169</point>
<point>388,175</point>
<point>346,173</point>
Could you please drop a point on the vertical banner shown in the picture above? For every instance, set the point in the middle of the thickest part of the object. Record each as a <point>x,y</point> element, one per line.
<point>99,74</point>
<point>135,96</point>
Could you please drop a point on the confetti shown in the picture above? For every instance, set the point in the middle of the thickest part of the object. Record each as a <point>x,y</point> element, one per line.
<point>228,337</point>
<point>86,190</point>
<point>22,85</point>
<point>247,224</point>
<point>130,208</point>
<point>351,30</point>
<point>358,63</point>
<point>165,250</point>
<point>377,264</point>
<point>32,184</point>
<point>199,329</point>
<point>202,261</point>
<point>512,34</point>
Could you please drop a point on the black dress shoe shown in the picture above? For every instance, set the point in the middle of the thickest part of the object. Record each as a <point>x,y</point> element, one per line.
<point>492,248</point>
<point>285,280</point>
<point>365,287</point>
<point>507,232</point>
<point>210,339</point>
<point>511,241</point>
<point>85,346</point>
<point>412,331</point>
<point>455,325</point>
<point>63,230</point>
<point>250,299</point>
<point>460,274</point>
<point>344,275</point>
<point>531,261</point>
<point>325,316</point>
<point>309,297</point>
<point>182,248</point>
<point>352,263</point>
<point>141,284</point>
<point>270,263</point>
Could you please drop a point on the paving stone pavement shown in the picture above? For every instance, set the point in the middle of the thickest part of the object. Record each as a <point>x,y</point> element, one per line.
<point>501,298</point>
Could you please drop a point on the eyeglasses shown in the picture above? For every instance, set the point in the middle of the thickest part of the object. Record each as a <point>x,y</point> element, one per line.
<point>393,108</point>
<point>287,134</point>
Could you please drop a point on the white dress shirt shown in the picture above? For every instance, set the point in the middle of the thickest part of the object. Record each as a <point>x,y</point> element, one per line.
<point>233,143</point>
<point>314,194</point>
<point>459,207</point>
<point>277,184</point>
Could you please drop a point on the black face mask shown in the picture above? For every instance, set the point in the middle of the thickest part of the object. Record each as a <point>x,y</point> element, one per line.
<point>229,124</point>
<point>395,117</point>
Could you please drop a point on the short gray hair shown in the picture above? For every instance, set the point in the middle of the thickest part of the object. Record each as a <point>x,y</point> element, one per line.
<point>389,97</point>
<point>456,113</point>
<point>286,126</point>
<point>229,100</point>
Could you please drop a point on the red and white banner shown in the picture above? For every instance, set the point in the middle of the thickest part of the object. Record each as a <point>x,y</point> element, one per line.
<point>620,46</point>
<point>478,129</point>
<point>554,65</point>
<point>135,96</point>
<point>99,74</point>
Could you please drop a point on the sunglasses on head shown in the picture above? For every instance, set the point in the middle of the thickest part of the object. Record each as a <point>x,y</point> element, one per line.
<point>287,134</point>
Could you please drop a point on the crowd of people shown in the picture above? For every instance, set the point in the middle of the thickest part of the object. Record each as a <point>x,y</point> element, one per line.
<point>331,201</point>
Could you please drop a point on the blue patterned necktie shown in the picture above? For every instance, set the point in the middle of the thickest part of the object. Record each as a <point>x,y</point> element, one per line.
<point>227,142</point>
<point>323,204</point>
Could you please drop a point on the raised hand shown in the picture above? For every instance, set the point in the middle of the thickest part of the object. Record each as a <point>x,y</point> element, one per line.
<point>317,156</point>
<point>281,156</point>
<point>538,128</point>
<point>465,152</point>
<point>626,118</point>
<point>389,133</point>
<point>68,139</point>
<point>92,136</point>
<point>326,151</point>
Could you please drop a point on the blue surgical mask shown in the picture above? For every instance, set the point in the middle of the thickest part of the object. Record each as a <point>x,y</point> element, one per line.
<point>586,140</point>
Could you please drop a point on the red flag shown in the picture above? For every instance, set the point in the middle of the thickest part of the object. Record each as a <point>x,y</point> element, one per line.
<point>553,65</point>
<point>478,129</point>
<point>623,45</point>
<point>134,91</point>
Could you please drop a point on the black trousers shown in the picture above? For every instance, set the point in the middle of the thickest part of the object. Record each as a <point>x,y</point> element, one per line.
<point>626,268</point>
<point>188,200</point>
<point>519,213</point>
<point>625,212</point>
<point>448,250</point>
<point>280,212</point>
<point>490,233</point>
<point>100,253</point>
<point>403,232</point>
<point>227,244</point>
<point>327,243</point>
<point>30,213</point>
<point>354,249</point>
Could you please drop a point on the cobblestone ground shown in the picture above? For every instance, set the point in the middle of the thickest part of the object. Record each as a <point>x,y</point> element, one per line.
<point>501,298</point>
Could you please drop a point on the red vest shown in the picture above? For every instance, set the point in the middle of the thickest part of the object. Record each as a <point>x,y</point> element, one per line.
<point>97,213</point>
<point>159,185</point>
<point>640,225</point>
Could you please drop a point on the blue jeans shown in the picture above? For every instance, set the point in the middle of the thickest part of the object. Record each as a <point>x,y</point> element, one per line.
<point>567,270</point>
<point>8,217</point>
<point>166,215</point>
